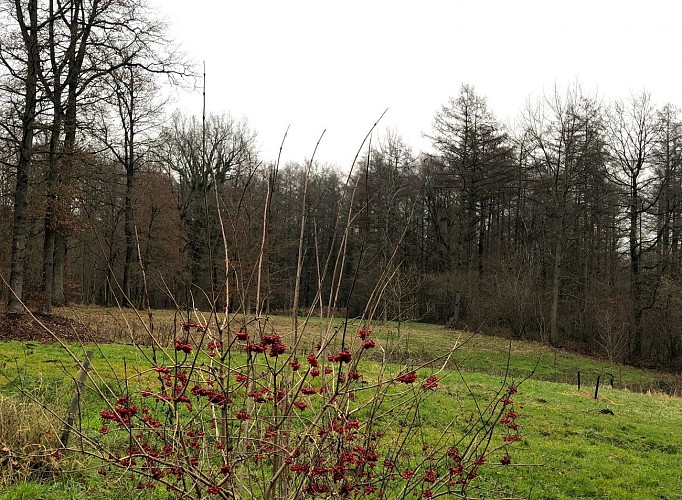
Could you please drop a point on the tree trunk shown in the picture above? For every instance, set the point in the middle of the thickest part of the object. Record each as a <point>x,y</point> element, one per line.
<point>556,282</point>
<point>80,28</point>
<point>129,241</point>
<point>635,287</point>
<point>50,221</point>
<point>19,224</point>
<point>58,295</point>
<point>455,312</point>
<point>52,189</point>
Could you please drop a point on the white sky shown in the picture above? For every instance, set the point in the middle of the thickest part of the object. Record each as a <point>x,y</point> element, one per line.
<point>319,64</point>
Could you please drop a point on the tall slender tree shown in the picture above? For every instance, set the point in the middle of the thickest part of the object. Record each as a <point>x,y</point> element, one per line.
<point>632,138</point>
<point>26,17</point>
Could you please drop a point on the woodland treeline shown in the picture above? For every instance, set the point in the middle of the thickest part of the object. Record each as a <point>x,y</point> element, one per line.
<point>564,227</point>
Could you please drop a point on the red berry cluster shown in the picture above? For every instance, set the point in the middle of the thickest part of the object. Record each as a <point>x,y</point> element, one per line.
<point>271,343</point>
<point>183,346</point>
<point>213,348</point>
<point>364,336</point>
<point>431,382</point>
<point>344,356</point>
<point>407,378</point>
<point>193,324</point>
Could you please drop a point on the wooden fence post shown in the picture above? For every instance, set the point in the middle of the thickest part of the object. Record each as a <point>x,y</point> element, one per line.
<point>73,407</point>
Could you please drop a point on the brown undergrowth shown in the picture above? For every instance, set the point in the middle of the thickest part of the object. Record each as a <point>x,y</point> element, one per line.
<point>39,327</point>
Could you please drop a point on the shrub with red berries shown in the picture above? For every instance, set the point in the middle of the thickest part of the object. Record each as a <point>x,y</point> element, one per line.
<point>247,404</point>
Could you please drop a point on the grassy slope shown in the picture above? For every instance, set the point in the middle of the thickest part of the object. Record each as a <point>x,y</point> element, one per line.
<point>584,453</point>
<point>570,448</point>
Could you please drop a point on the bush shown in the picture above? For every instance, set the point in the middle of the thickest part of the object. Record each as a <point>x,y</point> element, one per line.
<point>245,415</point>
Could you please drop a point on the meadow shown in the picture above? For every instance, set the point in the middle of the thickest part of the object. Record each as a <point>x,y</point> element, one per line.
<point>625,443</point>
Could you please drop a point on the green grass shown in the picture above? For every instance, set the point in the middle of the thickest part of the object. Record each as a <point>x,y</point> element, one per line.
<point>415,342</point>
<point>584,453</point>
<point>488,354</point>
<point>570,448</point>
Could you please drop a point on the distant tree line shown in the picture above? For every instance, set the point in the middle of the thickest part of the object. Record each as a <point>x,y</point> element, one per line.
<point>566,227</point>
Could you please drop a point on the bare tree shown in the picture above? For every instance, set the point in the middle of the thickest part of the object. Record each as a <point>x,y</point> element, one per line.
<point>562,133</point>
<point>224,152</point>
<point>28,56</point>
<point>667,160</point>
<point>632,137</point>
<point>100,38</point>
<point>129,118</point>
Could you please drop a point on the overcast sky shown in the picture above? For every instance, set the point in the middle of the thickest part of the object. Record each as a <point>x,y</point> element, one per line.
<point>336,65</point>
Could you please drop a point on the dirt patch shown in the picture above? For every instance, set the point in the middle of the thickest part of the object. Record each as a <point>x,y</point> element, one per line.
<point>46,328</point>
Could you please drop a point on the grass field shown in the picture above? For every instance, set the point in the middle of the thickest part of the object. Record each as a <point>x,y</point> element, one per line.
<point>623,444</point>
